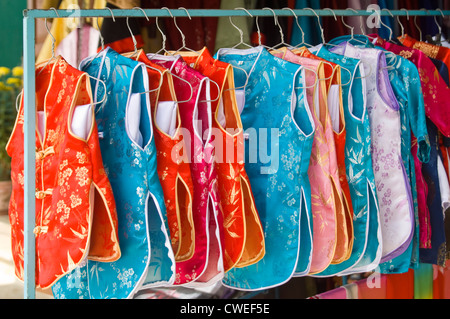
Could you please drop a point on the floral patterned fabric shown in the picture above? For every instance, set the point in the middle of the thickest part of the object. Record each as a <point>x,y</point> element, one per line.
<point>173,168</point>
<point>205,267</point>
<point>435,107</point>
<point>358,162</point>
<point>147,258</point>
<point>243,236</point>
<point>275,104</point>
<point>330,234</point>
<point>333,79</point>
<point>393,188</point>
<point>76,215</point>
<point>405,81</point>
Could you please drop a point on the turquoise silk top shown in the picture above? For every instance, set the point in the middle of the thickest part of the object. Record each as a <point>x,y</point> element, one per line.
<point>359,168</point>
<point>275,117</point>
<point>129,156</point>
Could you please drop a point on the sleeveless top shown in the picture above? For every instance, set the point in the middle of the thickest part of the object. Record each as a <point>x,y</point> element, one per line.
<point>275,115</point>
<point>435,93</point>
<point>129,154</point>
<point>393,188</point>
<point>336,110</point>
<point>205,267</point>
<point>173,169</point>
<point>330,237</point>
<point>243,236</point>
<point>76,216</point>
<point>358,161</point>
<point>405,82</point>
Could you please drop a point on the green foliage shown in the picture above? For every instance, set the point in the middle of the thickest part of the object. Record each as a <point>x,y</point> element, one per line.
<point>10,87</point>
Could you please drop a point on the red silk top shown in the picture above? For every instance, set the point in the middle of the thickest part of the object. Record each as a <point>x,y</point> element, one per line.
<point>243,235</point>
<point>76,215</point>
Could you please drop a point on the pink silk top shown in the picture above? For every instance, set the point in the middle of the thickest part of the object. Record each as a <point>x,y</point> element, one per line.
<point>206,264</point>
<point>330,237</point>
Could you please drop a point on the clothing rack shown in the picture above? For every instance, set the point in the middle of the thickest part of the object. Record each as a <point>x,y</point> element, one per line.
<point>29,27</point>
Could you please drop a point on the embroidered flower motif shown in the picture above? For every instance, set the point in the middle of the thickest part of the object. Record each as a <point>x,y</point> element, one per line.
<point>75,201</point>
<point>82,176</point>
<point>82,158</point>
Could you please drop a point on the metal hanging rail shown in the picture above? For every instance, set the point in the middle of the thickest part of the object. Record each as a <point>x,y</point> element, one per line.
<point>137,12</point>
<point>29,27</point>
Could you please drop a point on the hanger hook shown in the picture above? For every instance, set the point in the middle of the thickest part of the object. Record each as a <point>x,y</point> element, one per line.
<point>183,37</point>
<point>386,26</point>
<point>164,38</point>
<point>142,11</point>
<point>417,26</point>
<point>320,24</point>
<point>56,11</point>
<point>112,14</point>
<point>275,17</point>
<point>258,30</point>
<point>361,25</point>
<point>436,21</point>
<point>400,23</point>
<point>251,15</point>
<point>51,35</point>
<point>352,29</point>
<point>298,24</point>
<point>132,36</point>
<point>187,12</point>
<point>170,12</point>
<point>102,41</point>
<point>241,33</point>
<point>332,11</point>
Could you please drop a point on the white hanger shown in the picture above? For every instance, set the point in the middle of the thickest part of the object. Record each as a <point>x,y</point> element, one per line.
<point>101,38</point>
<point>324,42</point>
<point>241,33</point>
<point>280,29</point>
<point>352,31</point>
<point>183,37</point>
<point>418,28</point>
<point>53,57</point>
<point>320,24</point>
<point>131,32</point>
<point>301,30</point>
